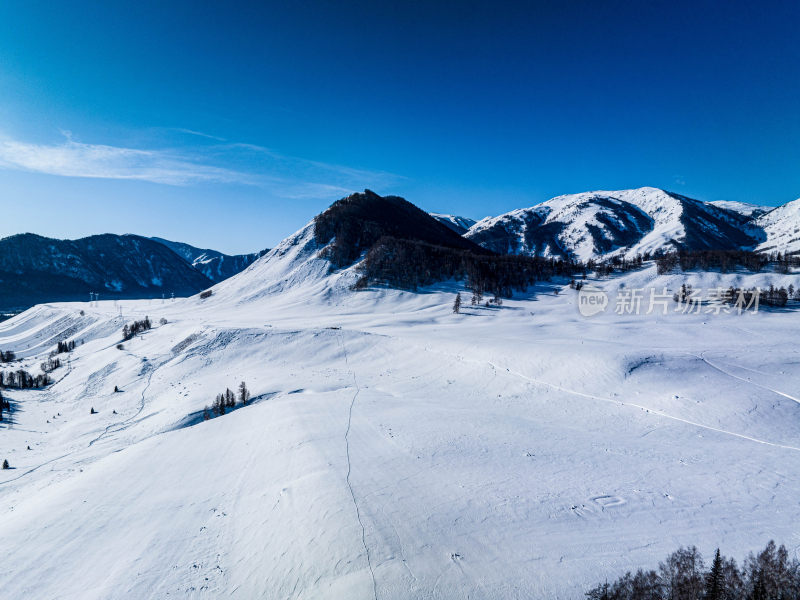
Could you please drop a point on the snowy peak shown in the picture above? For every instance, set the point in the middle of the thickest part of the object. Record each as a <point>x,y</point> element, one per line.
<point>352,225</point>
<point>325,256</point>
<point>751,211</point>
<point>605,224</point>
<point>782,228</point>
<point>211,263</point>
<point>458,224</point>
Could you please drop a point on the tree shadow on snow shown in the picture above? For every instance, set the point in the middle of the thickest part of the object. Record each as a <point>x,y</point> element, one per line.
<point>197,417</point>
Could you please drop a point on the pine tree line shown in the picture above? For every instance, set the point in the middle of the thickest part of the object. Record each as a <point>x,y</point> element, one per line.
<point>769,575</point>
<point>771,296</point>
<point>784,263</point>
<point>226,402</point>
<point>65,346</point>
<point>50,365</point>
<point>128,331</point>
<point>724,260</point>
<point>617,264</point>
<point>22,380</point>
<point>7,357</point>
<point>409,264</point>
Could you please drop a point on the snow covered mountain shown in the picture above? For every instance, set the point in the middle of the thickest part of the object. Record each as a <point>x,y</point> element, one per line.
<point>752,211</point>
<point>782,228</point>
<point>391,448</point>
<point>353,224</point>
<point>458,224</point>
<point>36,269</point>
<point>601,225</point>
<point>323,257</point>
<point>211,263</point>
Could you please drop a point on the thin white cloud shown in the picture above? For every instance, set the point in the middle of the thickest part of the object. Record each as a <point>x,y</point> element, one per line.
<point>99,161</point>
<point>232,163</point>
<point>277,161</point>
<point>207,136</point>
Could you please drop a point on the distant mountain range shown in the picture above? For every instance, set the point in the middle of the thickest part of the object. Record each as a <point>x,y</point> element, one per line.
<point>36,269</point>
<point>782,228</point>
<point>211,263</point>
<point>602,225</point>
<point>589,226</point>
<point>458,224</point>
<point>366,239</point>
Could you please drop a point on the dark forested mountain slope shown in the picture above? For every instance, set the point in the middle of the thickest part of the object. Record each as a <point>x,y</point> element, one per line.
<point>35,269</point>
<point>353,225</point>
<point>211,263</point>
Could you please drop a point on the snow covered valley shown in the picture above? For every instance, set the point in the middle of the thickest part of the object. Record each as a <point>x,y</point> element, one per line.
<point>393,449</point>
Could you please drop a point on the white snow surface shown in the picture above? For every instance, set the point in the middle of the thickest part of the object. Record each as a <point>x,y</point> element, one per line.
<point>744,208</point>
<point>625,209</point>
<point>393,449</point>
<point>456,223</point>
<point>782,226</point>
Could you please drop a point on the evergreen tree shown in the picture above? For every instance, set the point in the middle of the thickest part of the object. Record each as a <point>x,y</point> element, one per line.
<point>6,465</point>
<point>714,579</point>
<point>457,304</point>
<point>244,394</point>
<point>601,592</point>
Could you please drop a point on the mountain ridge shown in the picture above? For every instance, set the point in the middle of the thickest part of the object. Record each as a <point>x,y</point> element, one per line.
<point>215,265</point>
<point>458,224</point>
<point>601,225</point>
<point>35,269</point>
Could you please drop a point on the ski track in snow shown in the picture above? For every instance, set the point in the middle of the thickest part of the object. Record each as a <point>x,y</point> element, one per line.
<point>648,410</point>
<point>652,410</point>
<point>747,380</point>
<point>349,465</point>
<point>122,424</point>
<point>466,478</point>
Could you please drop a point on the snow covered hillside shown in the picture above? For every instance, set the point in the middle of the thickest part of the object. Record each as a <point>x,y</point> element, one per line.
<point>782,227</point>
<point>392,449</point>
<point>752,211</point>
<point>601,225</point>
<point>458,224</point>
<point>213,264</point>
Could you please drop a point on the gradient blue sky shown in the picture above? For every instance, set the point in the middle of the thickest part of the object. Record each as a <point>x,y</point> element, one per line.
<point>230,125</point>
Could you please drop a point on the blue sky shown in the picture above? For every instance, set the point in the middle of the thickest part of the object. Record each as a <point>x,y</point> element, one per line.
<point>230,126</point>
